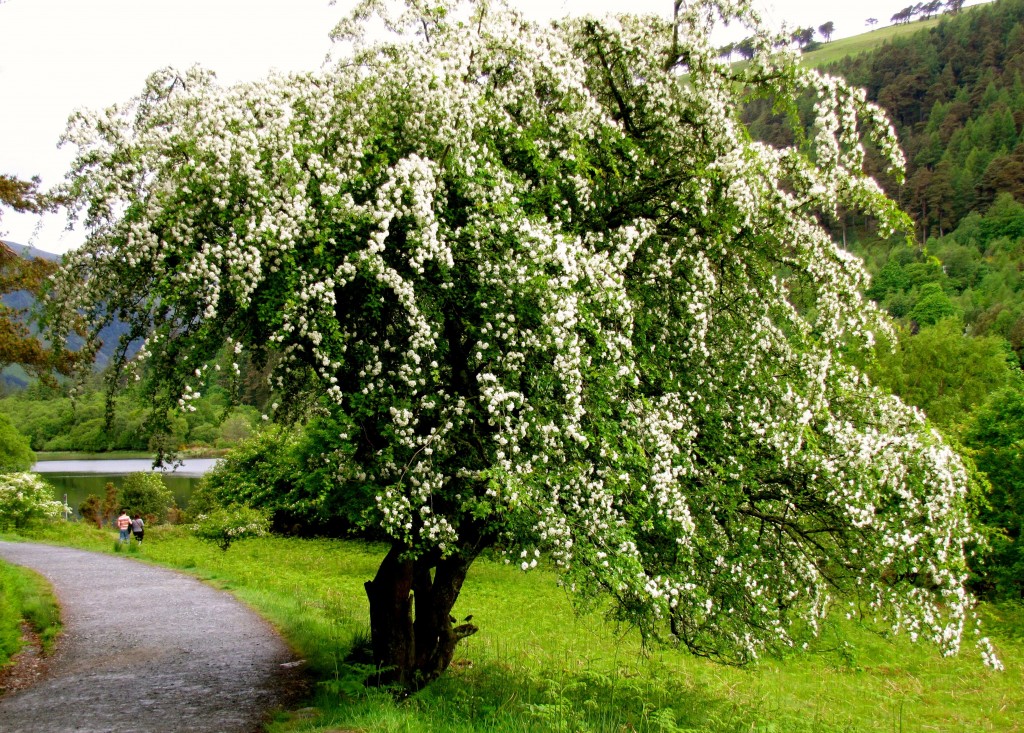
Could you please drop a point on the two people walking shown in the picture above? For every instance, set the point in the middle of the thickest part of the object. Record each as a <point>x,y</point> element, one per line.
<point>126,524</point>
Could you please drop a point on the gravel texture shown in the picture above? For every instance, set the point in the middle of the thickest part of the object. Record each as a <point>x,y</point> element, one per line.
<point>147,649</point>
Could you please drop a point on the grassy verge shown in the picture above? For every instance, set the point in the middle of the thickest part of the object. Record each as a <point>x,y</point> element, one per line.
<point>25,596</point>
<point>537,666</point>
<point>865,42</point>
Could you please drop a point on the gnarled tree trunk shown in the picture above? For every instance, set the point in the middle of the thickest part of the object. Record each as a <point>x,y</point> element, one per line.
<point>413,633</point>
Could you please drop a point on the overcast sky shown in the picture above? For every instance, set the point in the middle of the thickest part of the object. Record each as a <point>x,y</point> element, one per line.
<point>59,55</point>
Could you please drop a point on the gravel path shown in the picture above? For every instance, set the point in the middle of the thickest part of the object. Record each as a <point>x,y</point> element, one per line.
<point>146,649</point>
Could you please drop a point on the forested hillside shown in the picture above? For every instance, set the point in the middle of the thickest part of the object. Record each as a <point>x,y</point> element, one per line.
<point>955,94</point>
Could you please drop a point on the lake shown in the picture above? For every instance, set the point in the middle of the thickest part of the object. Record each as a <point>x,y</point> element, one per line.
<point>80,477</point>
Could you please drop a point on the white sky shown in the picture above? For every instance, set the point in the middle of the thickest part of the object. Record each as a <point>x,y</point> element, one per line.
<point>59,55</point>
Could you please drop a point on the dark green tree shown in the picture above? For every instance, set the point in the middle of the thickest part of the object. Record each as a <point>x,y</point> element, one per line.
<point>15,452</point>
<point>996,437</point>
<point>146,493</point>
<point>933,305</point>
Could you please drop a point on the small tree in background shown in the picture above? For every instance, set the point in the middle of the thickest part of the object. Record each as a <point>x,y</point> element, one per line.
<point>111,505</point>
<point>826,30</point>
<point>15,452</point>
<point>91,510</point>
<point>146,493</point>
<point>803,36</point>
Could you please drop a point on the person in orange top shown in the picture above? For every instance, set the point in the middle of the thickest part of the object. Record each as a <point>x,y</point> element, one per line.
<point>124,523</point>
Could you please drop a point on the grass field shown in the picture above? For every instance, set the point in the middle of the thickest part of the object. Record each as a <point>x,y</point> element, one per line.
<point>536,666</point>
<point>856,45</point>
<point>25,596</point>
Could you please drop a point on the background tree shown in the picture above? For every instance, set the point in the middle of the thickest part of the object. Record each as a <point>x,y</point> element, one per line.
<point>997,436</point>
<point>904,16</point>
<point>826,30</point>
<point>19,195</point>
<point>803,36</point>
<point>146,493</point>
<point>546,309</point>
<point>746,48</point>
<point>15,452</point>
<point>18,344</point>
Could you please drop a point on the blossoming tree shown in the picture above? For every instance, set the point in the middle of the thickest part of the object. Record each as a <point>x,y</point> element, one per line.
<point>559,302</point>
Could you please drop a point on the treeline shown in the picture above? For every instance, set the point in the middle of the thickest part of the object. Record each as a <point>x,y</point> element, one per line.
<point>59,417</point>
<point>803,37</point>
<point>956,95</point>
<point>926,10</point>
<point>54,421</point>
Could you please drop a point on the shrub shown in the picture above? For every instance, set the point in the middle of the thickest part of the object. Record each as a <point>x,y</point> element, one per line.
<point>25,499</point>
<point>225,525</point>
<point>260,471</point>
<point>15,452</point>
<point>146,494</point>
<point>92,510</point>
<point>307,484</point>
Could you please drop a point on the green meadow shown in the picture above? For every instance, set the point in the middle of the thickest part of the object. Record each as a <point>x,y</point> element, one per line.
<point>832,51</point>
<point>536,665</point>
<point>25,597</point>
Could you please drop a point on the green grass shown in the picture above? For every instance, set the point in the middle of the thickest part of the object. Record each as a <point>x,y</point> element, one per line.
<point>536,666</point>
<point>25,597</point>
<point>870,41</point>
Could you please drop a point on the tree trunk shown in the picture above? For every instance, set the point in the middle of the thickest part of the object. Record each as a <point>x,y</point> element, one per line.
<point>390,596</point>
<point>413,651</point>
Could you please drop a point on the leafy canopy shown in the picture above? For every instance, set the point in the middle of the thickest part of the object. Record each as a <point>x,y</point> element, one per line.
<point>553,298</point>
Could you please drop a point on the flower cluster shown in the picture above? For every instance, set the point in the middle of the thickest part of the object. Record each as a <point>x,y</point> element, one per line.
<point>564,300</point>
<point>26,498</point>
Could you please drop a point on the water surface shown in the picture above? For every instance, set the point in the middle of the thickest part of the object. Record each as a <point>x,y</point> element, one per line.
<point>191,467</point>
<point>78,477</point>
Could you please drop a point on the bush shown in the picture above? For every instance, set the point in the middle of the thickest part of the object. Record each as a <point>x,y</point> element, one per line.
<point>92,510</point>
<point>306,483</point>
<point>261,471</point>
<point>146,494</point>
<point>225,525</point>
<point>25,499</point>
<point>15,452</point>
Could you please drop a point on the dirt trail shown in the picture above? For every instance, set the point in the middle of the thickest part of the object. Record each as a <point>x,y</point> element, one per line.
<point>146,650</point>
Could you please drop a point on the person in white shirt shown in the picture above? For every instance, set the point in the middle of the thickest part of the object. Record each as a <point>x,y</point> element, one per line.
<point>137,528</point>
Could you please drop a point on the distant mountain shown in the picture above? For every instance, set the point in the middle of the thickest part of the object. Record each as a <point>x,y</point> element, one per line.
<point>30,252</point>
<point>23,300</point>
